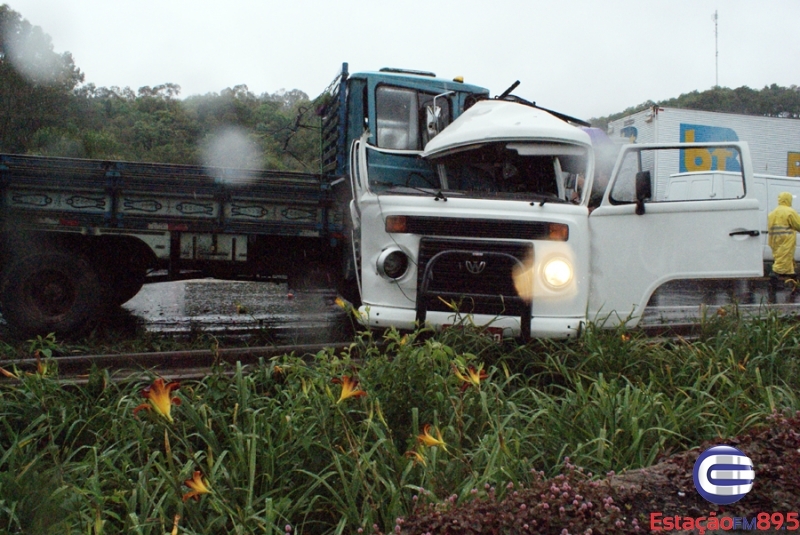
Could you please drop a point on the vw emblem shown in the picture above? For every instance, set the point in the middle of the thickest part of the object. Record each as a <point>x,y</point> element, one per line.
<point>475,267</point>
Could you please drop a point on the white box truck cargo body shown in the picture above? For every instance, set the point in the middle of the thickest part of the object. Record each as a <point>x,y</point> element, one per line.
<point>774,142</point>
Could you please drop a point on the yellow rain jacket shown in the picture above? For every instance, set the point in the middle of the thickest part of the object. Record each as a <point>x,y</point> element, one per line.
<point>783,222</point>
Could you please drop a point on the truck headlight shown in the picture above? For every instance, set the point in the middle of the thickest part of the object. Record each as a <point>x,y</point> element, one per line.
<point>392,263</point>
<point>557,273</point>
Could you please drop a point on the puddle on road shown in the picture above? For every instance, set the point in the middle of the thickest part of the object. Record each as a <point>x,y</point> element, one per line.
<point>687,301</point>
<point>230,307</point>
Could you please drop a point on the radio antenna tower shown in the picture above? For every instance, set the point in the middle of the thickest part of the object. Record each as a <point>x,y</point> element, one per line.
<point>716,47</point>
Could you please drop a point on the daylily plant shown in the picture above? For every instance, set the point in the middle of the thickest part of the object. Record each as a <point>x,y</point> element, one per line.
<point>349,388</point>
<point>198,485</point>
<point>417,457</point>
<point>159,398</point>
<point>429,440</point>
<point>471,377</point>
<point>41,368</point>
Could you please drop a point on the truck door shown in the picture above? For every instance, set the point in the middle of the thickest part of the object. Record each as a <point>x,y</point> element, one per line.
<point>637,244</point>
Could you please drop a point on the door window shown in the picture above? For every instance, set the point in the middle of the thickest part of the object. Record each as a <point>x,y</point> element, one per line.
<point>401,115</point>
<point>654,175</point>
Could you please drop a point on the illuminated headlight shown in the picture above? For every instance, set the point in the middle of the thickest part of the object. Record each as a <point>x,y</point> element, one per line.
<point>392,263</point>
<point>557,273</point>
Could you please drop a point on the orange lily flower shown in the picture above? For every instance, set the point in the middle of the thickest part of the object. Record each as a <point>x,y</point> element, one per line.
<point>198,485</point>
<point>158,396</point>
<point>472,377</point>
<point>349,388</point>
<point>417,457</point>
<point>429,440</point>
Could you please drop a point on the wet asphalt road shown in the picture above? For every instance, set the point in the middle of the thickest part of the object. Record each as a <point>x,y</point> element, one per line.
<point>229,307</point>
<point>271,311</point>
<point>226,307</point>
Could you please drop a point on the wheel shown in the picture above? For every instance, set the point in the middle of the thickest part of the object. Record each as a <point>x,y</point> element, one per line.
<point>124,284</point>
<point>122,267</point>
<point>48,292</point>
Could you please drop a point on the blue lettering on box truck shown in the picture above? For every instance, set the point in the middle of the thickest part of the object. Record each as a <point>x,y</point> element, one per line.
<point>713,159</point>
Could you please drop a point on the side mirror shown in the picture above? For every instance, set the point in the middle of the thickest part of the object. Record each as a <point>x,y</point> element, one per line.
<point>644,190</point>
<point>432,115</point>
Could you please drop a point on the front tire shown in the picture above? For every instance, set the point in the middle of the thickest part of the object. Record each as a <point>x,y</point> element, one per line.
<point>58,292</point>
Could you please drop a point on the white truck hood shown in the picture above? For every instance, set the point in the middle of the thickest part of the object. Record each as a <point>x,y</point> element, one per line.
<point>500,120</point>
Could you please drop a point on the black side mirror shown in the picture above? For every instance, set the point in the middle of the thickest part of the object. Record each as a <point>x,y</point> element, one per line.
<point>644,190</point>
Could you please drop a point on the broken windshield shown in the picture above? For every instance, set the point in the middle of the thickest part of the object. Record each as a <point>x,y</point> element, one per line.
<point>534,171</point>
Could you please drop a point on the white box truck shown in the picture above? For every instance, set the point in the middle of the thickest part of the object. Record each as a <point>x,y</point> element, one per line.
<point>774,142</point>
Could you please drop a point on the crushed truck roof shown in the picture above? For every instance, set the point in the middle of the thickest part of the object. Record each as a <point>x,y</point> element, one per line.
<point>499,120</point>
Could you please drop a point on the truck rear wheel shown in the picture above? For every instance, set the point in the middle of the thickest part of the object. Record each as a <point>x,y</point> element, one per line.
<point>123,284</point>
<point>122,266</point>
<point>48,292</point>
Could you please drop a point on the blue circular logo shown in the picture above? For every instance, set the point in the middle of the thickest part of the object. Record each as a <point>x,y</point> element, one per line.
<point>723,475</point>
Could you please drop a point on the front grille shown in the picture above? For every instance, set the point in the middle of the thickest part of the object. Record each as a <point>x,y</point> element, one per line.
<point>475,275</point>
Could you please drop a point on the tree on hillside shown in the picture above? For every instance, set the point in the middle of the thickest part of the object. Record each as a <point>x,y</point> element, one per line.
<point>279,124</point>
<point>35,81</point>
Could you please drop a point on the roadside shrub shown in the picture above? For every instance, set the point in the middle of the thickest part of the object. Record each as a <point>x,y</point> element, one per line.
<point>426,427</point>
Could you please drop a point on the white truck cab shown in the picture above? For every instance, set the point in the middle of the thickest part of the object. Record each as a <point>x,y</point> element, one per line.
<point>501,226</point>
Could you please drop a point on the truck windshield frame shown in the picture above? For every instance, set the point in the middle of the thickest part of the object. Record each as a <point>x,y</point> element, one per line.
<point>518,171</point>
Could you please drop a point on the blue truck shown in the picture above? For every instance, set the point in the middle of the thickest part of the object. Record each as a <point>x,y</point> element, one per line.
<point>80,236</point>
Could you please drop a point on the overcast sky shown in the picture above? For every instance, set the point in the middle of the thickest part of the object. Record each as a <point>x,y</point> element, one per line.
<point>587,58</point>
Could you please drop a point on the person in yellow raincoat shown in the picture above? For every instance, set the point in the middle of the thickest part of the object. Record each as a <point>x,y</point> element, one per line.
<point>783,223</point>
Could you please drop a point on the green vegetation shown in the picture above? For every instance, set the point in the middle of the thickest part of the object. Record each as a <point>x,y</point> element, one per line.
<point>337,442</point>
<point>44,110</point>
<point>771,101</point>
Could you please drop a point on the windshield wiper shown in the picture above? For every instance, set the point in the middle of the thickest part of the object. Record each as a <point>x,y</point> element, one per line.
<point>545,199</point>
<point>438,196</point>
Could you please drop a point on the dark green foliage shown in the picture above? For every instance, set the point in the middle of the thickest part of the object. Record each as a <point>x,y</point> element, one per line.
<point>44,112</point>
<point>771,101</point>
<point>35,82</point>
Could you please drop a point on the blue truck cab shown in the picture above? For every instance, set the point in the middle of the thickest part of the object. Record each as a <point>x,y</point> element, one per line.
<point>392,109</point>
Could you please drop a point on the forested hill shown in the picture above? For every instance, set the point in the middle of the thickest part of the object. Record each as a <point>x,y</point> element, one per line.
<point>47,109</point>
<point>772,101</point>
